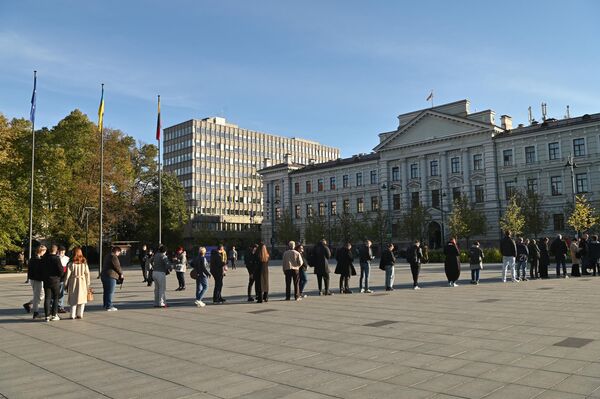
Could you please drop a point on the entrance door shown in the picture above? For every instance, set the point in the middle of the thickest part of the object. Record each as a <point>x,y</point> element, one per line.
<point>435,235</point>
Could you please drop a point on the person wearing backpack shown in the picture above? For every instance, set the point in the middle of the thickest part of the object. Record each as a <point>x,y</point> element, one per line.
<point>476,262</point>
<point>365,256</point>
<point>414,255</point>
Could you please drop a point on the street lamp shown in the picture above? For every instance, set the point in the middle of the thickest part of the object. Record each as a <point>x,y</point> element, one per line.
<point>87,210</point>
<point>572,165</point>
<point>389,187</point>
<point>328,222</point>
<point>442,196</point>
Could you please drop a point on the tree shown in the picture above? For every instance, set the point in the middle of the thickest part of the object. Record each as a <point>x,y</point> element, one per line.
<point>513,219</point>
<point>583,216</point>
<point>346,228</point>
<point>378,227</point>
<point>466,220</point>
<point>315,229</point>
<point>414,223</point>
<point>286,229</point>
<point>536,219</point>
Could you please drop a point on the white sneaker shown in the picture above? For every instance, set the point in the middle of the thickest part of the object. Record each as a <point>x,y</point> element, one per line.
<point>112,309</point>
<point>504,281</point>
<point>416,287</point>
<point>299,298</point>
<point>200,304</point>
<point>514,280</point>
<point>456,285</point>
<point>450,284</point>
<point>54,318</point>
<point>362,290</point>
<point>368,292</point>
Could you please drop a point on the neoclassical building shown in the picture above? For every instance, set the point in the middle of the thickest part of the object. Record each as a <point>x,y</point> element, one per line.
<point>434,156</point>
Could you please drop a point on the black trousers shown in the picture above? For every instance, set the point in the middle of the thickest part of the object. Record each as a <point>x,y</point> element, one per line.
<point>181,279</point>
<point>534,268</point>
<point>543,270</point>
<point>52,295</point>
<point>323,278</point>
<point>144,273</point>
<point>218,287</point>
<point>258,284</point>
<point>250,284</point>
<point>292,276</point>
<point>415,269</point>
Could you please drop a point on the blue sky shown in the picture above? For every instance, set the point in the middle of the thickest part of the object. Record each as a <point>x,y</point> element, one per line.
<point>334,71</point>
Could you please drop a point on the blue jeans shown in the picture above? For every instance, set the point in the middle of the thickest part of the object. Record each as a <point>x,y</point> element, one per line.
<point>560,262</point>
<point>201,287</point>
<point>365,269</point>
<point>522,269</point>
<point>61,301</point>
<point>303,280</point>
<point>108,289</point>
<point>389,276</point>
<point>475,275</point>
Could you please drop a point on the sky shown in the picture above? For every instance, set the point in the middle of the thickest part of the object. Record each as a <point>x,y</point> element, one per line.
<point>338,72</point>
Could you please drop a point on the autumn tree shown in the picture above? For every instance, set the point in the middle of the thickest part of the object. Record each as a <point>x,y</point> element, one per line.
<point>286,229</point>
<point>414,223</point>
<point>583,216</point>
<point>513,219</point>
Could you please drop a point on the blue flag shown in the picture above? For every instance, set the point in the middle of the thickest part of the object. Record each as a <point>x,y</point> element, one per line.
<point>32,113</point>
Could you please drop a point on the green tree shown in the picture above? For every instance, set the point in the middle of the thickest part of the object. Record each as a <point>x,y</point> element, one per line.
<point>285,228</point>
<point>466,220</point>
<point>513,219</point>
<point>379,227</point>
<point>315,229</point>
<point>536,219</point>
<point>414,223</point>
<point>583,216</point>
<point>346,228</point>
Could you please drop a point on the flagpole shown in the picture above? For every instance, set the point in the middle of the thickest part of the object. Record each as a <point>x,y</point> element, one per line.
<point>100,128</point>
<point>431,98</point>
<point>158,136</point>
<point>32,117</point>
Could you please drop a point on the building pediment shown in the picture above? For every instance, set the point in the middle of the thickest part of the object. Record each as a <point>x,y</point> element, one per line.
<point>431,125</point>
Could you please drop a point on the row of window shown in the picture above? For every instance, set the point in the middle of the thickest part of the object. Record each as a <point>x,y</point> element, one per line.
<point>434,167</point>
<point>332,206</point>
<point>332,183</point>
<point>553,152</point>
<point>556,185</point>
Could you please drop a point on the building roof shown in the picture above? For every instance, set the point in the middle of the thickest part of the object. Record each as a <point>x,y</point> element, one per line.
<point>550,124</point>
<point>281,166</point>
<point>338,162</point>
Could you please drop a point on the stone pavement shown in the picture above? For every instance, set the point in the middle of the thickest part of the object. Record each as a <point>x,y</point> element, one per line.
<point>537,339</point>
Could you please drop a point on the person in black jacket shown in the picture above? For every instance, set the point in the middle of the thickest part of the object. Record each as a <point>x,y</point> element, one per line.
<point>544,257</point>
<point>365,256</point>
<point>217,266</point>
<point>584,254</point>
<point>53,273</point>
<point>320,259</point>
<point>559,249</point>
<point>251,262</point>
<point>35,275</point>
<point>594,254</point>
<point>452,262</point>
<point>414,255</point>
<point>534,259</point>
<point>386,263</point>
<point>522,257</point>
<point>199,263</point>
<point>345,268</point>
<point>508,249</point>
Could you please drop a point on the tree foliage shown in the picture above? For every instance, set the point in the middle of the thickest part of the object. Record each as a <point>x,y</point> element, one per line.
<point>466,220</point>
<point>536,219</point>
<point>315,229</point>
<point>285,228</point>
<point>413,224</point>
<point>583,216</point>
<point>513,218</point>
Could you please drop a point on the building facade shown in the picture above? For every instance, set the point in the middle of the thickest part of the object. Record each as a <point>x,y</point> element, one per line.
<point>437,155</point>
<point>217,163</point>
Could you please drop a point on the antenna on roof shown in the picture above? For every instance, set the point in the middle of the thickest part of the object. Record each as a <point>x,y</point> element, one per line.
<point>530,115</point>
<point>568,114</point>
<point>544,111</point>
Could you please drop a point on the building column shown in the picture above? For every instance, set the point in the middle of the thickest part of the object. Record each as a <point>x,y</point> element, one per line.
<point>405,200</point>
<point>466,167</point>
<point>423,176</point>
<point>444,171</point>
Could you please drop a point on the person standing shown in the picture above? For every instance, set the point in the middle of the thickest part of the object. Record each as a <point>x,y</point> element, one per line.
<point>508,249</point>
<point>344,267</point>
<point>594,254</point>
<point>452,262</point>
<point>20,262</point>
<point>291,262</point>
<point>148,264</point>
<point>261,279</point>
<point>161,267</point>
<point>111,272</point>
<point>251,261</point>
<point>559,249</point>
<point>53,273</point>
<point>64,260</point>
<point>575,256</point>
<point>143,257</point>
<point>414,256</point>
<point>233,256</point>
<point>302,271</point>
<point>522,256</point>
<point>475,262</point>
<point>77,283</point>
<point>35,275</point>
<point>534,259</point>
<point>217,270</point>
<point>200,264</point>
<point>365,256</point>
<point>544,257</point>
<point>387,262</point>
<point>321,255</point>
<point>584,255</point>
<point>180,266</point>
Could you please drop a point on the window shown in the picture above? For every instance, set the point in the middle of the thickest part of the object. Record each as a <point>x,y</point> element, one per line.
<point>455,165</point>
<point>359,179</point>
<point>332,183</point>
<point>579,147</point>
<point>395,173</point>
<point>333,208</point>
<point>510,188</point>
<point>507,156</point>
<point>414,171</point>
<point>321,209</point>
<point>396,200</point>
<point>309,210</point>
<point>320,186</point>
<point>581,183</point>
<point>532,185</point>
<point>529,154</point>
<point>479,194</point>
<point>414,199</point>
<point>477,162</point>
<point>435,199</point>
<point>277,191</point>
<point>556,185</point>
<point>345,181</point>
<point>297,211</point>
<point>296,188</point>
<point>374,204</point>
<point>433,168</point>
<point>553,151</point>
<point>559,221</point>
<point>360,205</point>
<point>308,187</point>
<point>373,176</point>
<point>455,193</point>
<point>346,206</point>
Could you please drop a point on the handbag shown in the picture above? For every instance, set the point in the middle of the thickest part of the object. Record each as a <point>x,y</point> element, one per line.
<point>90,295</point>
<point>194,274</point>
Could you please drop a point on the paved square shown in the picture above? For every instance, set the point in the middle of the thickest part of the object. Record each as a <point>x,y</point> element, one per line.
<point>536,339</point>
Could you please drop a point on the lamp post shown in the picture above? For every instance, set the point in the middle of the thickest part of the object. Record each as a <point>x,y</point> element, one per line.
<point>572,165</point>
<point>442,196</point>
<point>87,210</point>
<point>328,211</point>
<point>389,187</point>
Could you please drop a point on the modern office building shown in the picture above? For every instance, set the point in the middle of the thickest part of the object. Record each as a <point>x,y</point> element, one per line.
<point>434,156</point>
<point>217,164</point>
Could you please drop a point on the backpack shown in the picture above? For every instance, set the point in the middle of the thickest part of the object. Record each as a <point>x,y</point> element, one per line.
<point>475,256</point>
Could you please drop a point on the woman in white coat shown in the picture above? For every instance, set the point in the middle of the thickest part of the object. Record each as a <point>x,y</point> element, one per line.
<point>77,283</point>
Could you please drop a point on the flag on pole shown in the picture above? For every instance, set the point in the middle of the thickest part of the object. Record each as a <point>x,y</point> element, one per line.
<point>32,112</point>
<point>101,111</point>
<point>158,128</point>
<point>430,96</point>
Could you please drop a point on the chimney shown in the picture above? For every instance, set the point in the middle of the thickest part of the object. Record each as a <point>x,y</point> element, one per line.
<point>506,122</point>
<point>266,162</point>
<point>287,158</point>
